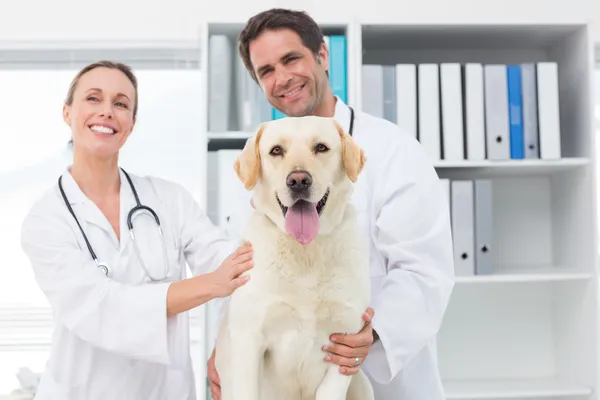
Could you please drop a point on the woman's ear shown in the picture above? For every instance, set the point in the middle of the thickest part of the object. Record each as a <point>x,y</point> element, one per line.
<point>67,114</point>
<point>353,157</point>
<point>247,165</point>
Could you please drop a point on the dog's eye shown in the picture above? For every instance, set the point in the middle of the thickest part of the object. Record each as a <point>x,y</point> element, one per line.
<point>321,148</point>
<point>276,151</point>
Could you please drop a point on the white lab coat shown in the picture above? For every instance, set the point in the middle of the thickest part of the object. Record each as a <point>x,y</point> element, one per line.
<point>113,339</point>
<point>404,214</point>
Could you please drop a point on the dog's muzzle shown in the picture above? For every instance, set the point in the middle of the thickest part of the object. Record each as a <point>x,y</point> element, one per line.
<point>299,183</point>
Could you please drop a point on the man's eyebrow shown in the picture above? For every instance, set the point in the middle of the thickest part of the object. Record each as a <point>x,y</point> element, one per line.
<point>290,54</point>
<point>263,68</point>
<point>282,58</point>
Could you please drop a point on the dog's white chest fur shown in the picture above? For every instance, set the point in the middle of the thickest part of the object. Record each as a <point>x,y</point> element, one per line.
<point>271,338</point>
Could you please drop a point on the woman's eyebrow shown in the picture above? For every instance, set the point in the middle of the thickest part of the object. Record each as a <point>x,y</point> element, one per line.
<point>100,90</point>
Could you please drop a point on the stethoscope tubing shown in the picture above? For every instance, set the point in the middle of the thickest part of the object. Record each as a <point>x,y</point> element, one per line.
<point>138,207</point>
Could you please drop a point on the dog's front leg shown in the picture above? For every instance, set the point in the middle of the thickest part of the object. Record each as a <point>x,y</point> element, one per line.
<point>248,351</point>
<point>247,346</point>
<point>334,385</point>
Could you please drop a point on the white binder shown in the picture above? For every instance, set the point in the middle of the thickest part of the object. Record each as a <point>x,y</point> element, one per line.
<point>221,75</point>
<point>429,110</point>
<point>548,110</point>
<point>463,227</point>
<point>496,112</point>
<point>530,110</point>
<point>452,112</point>
<point>389,92</point>
<point>226,191</point>
<point>372,89</point>
<point>406,98</point>
<point>474,111</point>
<point>484,227</point>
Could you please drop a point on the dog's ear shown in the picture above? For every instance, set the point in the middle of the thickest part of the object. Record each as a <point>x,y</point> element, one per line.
<point>353,157</point>
<point>247,165</point>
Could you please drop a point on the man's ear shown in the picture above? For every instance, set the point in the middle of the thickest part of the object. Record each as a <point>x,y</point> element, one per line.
<point>353,157</point>
<point>247,165</point>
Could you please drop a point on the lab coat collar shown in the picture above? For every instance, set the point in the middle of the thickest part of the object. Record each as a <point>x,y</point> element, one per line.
<point>89,211</point>
<point>76,196</point>
<point>342,114</point>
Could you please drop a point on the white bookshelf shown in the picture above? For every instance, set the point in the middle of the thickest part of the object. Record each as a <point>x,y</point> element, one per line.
<point>530,330</point>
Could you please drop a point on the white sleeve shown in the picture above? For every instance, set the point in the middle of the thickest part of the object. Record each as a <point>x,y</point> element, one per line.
<point>205,245</point>
<point>414,236</point>
<point>118,318</point>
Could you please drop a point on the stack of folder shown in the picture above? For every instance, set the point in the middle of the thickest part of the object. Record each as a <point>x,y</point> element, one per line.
<point>470,111</point>
<point>237,103</point>
<point>471,214</point>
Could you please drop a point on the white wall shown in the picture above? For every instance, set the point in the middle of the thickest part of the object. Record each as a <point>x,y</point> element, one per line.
<point>177,20</point>
<point>596,18</point>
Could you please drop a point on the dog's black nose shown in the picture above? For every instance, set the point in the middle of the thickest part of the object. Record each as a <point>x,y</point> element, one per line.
<point>299,181</point>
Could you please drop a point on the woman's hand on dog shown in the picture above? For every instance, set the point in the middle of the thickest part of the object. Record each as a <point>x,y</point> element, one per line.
<point>227,277</point>
<point>345,347</point>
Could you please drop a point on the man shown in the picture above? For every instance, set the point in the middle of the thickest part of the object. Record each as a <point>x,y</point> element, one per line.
<point>402,210</point>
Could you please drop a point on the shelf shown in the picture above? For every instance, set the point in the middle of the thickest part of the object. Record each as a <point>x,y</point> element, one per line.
<point>234,27</point>
<point>514,167</point>
<point>486,167</point>
<point>512,389</point>
<point>229,135</point>
<point>476,36</point>
<point>541,274</point>
<point>227,140</point>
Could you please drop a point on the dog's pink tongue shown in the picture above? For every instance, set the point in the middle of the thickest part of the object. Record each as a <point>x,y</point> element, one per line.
<point>302,221</point>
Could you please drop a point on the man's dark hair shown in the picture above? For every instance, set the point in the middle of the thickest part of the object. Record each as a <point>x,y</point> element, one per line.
<point>274,19</point>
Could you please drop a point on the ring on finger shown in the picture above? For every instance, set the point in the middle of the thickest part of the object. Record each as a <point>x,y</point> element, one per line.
<point>356,361</point>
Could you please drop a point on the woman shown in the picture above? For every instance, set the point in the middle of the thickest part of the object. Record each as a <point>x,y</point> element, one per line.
<point>119,299</point>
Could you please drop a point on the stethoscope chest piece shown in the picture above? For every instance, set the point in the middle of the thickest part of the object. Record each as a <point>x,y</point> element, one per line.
<point>103,267</point>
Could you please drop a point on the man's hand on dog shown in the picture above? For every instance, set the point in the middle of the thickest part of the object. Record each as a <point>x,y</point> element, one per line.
<point>343,352</point>
<point>213,378</point>
<point>345,347</point>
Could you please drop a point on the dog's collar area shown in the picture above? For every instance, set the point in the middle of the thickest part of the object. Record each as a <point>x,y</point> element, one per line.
<point>283,208</point>
<point>320,204</point>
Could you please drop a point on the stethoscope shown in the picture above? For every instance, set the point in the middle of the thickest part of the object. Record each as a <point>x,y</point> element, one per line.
<point>103,266</point>
<point>351,128</point>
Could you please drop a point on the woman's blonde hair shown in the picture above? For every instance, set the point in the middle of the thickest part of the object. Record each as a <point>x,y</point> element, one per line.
<point>105,64</point>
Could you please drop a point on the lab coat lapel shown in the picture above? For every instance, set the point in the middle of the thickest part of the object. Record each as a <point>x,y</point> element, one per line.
<point>342,114</point>
<point>127,202</point>
<point>86,210</point>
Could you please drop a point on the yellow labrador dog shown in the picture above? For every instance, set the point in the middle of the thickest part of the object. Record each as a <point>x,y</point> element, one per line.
<point>310,276</point>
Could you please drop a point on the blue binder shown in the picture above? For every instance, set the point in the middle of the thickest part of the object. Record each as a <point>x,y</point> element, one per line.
<point>515,112</point>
